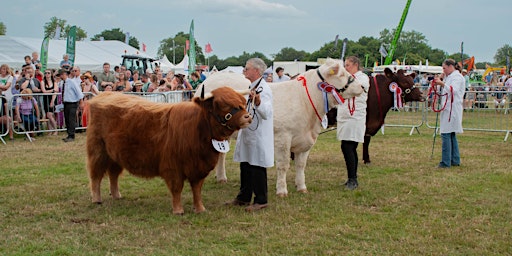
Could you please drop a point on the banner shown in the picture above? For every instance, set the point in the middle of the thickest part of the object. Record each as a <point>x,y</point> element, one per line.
<point>71,44</point>
<point>127,37</point>
<point>143,47</point>
<point>44,53</point>
<point>208,48</point>
<point>192,51</point>
<point>383,51</point>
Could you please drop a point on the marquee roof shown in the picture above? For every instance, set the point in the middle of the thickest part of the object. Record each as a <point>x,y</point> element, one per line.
<point>89,55</point>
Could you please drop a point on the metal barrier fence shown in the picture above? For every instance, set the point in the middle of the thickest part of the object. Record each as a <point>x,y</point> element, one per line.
<point>484,110</point>
<point>47,116</point>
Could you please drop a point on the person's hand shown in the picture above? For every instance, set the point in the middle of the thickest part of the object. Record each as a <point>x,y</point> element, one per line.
<point>255,98</point>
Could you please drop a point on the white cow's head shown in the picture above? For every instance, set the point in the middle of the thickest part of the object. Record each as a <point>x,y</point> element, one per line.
<point>334,73</point>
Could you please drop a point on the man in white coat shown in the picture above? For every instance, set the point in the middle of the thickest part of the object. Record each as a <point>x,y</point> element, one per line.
<point>351,122</point>
<point>255,144</point>
<point>452,91</point>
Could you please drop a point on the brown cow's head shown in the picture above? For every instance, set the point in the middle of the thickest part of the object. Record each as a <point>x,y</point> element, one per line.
<point>334,73</point>
<point>227,106</point>
<point>410,92</point>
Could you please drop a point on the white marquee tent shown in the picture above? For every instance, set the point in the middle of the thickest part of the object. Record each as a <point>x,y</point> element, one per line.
<point>89,55</point>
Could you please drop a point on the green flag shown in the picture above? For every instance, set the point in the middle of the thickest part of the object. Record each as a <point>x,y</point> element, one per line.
<point>192,50</point>
<point>44,53</point>
<point>70,45</point>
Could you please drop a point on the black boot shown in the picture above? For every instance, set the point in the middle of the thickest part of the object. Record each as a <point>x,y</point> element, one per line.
<point>351,184</point>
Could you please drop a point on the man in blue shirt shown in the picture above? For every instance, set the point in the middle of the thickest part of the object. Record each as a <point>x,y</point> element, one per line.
<point>72,96</point>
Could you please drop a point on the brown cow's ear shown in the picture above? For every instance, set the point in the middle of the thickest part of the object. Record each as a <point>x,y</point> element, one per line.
<point>389,74</point>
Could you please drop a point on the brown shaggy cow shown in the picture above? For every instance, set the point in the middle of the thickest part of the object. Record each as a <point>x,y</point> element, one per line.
<point>173,141</point>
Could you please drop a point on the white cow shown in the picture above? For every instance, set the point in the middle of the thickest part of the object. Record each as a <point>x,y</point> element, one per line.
<point>298,107</point>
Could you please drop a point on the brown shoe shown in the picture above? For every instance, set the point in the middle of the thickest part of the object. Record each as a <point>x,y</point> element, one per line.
<point>236,202</point>
<point>255,207</point>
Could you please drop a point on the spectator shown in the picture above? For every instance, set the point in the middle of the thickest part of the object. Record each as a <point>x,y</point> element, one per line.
<point>351,122</point>
<point>75,75</point>
<point>28,62</point>
<point>255,144</point>
<point>135,77</point>
<point>106,77</point>
<point>6,80</point>
<point>145,82</point>
<point>137,86</point>
<point>179,83</point>
<point>269,78</point>
<point>48,86</point>
<point>65,63</point>
<point>508,88</point>
<point>202,76</point>
<point>5,84</point>
<point>281,77</point>
<point>195,80</point>
<point>129,76</point>
<point>499,98</point>
<point>27,111</point>
<point>122,85</point>
<point>89,87</point>
<point>153,83</point>
<point>72,96</point>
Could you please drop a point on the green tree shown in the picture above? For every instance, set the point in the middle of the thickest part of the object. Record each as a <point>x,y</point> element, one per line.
<point>3,29</point>
<point>50,29</point>
<point>116,34</point>
<point>290,54</point>
<point>500,58</point>
<point>175,51</point>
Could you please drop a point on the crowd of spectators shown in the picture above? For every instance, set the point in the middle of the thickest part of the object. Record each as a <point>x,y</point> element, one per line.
<point>44,101</point>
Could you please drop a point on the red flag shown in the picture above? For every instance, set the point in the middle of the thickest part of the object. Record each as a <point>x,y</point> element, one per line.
<point>208,48</point>
<point>187,45</point>
<point>143,47</point>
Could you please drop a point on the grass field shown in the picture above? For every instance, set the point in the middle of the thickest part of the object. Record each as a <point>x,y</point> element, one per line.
<point>404,205</point>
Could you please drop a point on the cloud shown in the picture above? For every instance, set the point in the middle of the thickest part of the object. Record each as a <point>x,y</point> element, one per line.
<point>248,8</point>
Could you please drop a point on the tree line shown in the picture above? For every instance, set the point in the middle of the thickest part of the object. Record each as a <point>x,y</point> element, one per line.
<point>412,48</point>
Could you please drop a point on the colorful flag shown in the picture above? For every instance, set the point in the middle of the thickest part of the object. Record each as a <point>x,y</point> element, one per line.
<point>44,53</point>
<point>208,48</point>
<point>192,51</point>
<point>143,47</point>
<point>187,45</point>
<point>71,44</point>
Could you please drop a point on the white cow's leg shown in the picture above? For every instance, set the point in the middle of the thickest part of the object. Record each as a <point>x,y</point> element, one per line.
<point>282,166</point>
<point>300,166</point>
<point>220,169</point>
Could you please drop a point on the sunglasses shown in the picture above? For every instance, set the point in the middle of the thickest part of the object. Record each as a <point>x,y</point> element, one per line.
<point>47,73</point>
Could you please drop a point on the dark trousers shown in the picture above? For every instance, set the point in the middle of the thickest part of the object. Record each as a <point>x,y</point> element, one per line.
<point>253,179</point>
<point>349,149</point>
<point>70,109</point>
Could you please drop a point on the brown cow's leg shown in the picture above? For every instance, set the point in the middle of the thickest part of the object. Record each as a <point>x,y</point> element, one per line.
<point>113,175</point>
<point>366,144</point>
<point>175,187</point>
<point>196,192</point>
<point>96,166</point>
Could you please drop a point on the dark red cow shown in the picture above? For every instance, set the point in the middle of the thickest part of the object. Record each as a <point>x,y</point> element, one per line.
<point>172,141</point>
<point>380,101</point>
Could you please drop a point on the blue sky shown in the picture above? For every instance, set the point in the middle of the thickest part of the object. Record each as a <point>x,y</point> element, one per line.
<point>235,26</point>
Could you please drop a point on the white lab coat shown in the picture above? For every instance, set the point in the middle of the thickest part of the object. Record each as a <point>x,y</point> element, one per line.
<point>352,127</point>
<point>255,144</point>
<point>452,122</point>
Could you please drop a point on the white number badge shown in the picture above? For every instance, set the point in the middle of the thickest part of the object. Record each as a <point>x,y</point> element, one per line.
<point>221,146</point>
<point>325,122</point>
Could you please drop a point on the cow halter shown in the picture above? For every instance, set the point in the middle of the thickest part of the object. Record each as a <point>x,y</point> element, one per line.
<point>224,120</point>
<point>325,87</point>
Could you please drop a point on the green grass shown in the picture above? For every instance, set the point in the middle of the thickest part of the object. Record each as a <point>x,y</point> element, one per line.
<point>404,205</point>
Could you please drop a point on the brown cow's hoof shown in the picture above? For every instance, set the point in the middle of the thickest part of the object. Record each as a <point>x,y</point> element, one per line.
<point>222,181</point>
<point>282,195</point>
<point>303,191</point>
<point>98,203</point>
<point>367,163</point>
<point>199,211</point>
<point>180,213</point>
